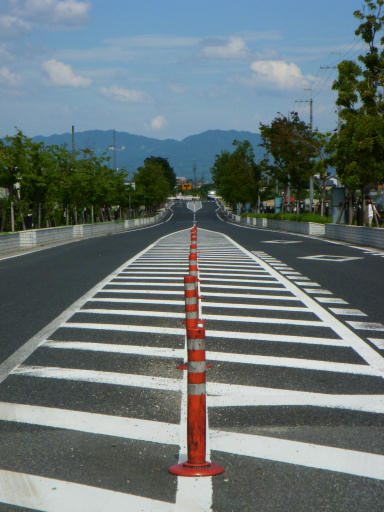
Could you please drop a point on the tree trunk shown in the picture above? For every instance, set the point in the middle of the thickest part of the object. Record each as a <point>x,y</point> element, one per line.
<point>350,208</point>
<point>323,195</point>
<point>39,216</point>
<point>12,216</point>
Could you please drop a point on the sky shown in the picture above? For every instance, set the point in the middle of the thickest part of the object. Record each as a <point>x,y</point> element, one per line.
<point>170,68</point>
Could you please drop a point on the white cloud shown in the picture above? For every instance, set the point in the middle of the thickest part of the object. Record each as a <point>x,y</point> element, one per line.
<point>62,74</point>
<point>153,41</point>
<point>278,73</point>
<point>158,123</point>
<point>61,12</point>
<point>178,89</point>
<point>12,27</point>
<point>125,95</point>
<point>7,77</point>
<point>235,48</point>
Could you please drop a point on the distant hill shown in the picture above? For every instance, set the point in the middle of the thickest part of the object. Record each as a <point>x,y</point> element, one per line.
<point>199,150</point>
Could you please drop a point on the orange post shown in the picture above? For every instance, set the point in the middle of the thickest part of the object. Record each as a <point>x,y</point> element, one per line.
<point>196,465</point>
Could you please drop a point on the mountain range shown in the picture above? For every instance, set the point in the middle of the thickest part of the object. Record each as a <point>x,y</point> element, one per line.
<point>197,151</point>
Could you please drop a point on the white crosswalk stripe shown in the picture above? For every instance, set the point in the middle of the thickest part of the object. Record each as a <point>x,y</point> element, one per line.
<point>254,332</point>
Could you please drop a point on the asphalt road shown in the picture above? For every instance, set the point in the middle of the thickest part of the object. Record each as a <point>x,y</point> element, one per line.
<point>92,407</point>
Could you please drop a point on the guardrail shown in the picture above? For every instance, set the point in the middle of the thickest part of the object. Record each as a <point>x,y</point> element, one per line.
<point>15,242</point>
<point>361,235</point>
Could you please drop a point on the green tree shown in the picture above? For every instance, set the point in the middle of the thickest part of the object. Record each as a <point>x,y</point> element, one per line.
<point>289,143</point>
<point>236,175</point>
<point>14,163</point>
<point>168,171</point>
<point>152,187</point>
<point>359,145</point>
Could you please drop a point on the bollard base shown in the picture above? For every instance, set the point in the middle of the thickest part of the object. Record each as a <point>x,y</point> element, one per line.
<point>205,469</point>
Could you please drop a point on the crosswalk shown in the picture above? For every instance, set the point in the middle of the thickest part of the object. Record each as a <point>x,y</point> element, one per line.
<point>96,415</point>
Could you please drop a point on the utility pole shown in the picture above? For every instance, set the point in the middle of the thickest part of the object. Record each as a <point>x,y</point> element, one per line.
<point>73,142</point>
<point>194,175</point>
<point>338,107</point>
<point>114,150</point>
<point>310,101</point>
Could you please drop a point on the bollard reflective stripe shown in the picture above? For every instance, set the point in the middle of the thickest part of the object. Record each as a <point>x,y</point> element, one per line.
<point>196,345</point>
<point>196,389</point>
<point>197,367</point>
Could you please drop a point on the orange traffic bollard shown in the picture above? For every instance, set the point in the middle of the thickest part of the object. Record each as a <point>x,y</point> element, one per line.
<point>196,465</point>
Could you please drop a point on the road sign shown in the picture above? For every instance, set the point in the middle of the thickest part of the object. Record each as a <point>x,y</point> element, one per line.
<point>186,186</point>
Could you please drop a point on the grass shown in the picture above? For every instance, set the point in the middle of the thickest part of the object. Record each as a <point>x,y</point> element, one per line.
<point>297,217</point>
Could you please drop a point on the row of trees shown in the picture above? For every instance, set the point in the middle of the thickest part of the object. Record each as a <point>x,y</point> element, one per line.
<point>294,153</point>
<point>47,186</point>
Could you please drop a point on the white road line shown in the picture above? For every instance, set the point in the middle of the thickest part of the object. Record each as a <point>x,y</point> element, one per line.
<point>347,312</point>
<point>170,277</point>
<point>363,349</point>
<point>351,462</point>
<point>216,279</point>
<point>93,423</point>
<point>379,342</point>
<point>161,273</point>
<point>204,273</point>
<point>232,287</point>
<point>204,285</point>
<point>51,495</point>
<point>131,291</point>
<point>132,312</point>
<point>330,300</point>
<point>142,283</point>
<point>152,277</point>
<point>236,271</point>
<point>221,318</point>
<point>251,296</point>
<point>218,394</point>
<point>125,328</point>
<point>139,301</point>
<point>317,290</point>
<point>366,326</point>
<point>310,340</point>
<point>306,283</point>
<point>284,362</point>
<point>112,348</point>
<point>227,395</point>
<point>26,350</point>
<point>206,294</point>
<point>99,377</point>
<point>241,266</point>
<point>262,307</point>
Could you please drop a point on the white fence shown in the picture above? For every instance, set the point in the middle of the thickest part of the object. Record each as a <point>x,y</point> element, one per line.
<point>360,235</point>
<point>14,242</point>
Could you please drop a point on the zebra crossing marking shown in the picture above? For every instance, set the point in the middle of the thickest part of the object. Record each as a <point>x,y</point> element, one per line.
<point>379,342</point>
<point>42,493</point>
<point>366,326</point>
<point>347,312</point>
<point>219,394</point>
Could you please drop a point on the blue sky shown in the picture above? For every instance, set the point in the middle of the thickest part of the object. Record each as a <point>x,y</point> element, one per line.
<point>167,68</point>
